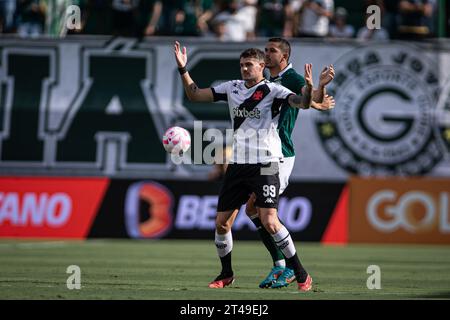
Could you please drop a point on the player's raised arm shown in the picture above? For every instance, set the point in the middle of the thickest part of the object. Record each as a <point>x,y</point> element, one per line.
<point>326,76</point>
<point>193,92</point>
<point>304,101</point>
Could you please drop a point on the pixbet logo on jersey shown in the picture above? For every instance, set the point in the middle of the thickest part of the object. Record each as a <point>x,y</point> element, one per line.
<point>244,113</point>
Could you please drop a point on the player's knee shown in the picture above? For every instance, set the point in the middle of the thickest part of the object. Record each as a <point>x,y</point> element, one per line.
<point>222,226</point>
<point>271,227</point>
<point>271,223</point>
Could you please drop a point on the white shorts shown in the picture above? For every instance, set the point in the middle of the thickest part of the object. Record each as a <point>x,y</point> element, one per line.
<point>285,170</point>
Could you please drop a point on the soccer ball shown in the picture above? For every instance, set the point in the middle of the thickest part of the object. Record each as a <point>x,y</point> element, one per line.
<point>176,140</point>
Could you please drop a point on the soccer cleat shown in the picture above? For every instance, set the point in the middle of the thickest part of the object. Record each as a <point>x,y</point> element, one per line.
<point>271,277</point>
<point>307,285</point>
<point>284,279</point>
<point>221,282</point>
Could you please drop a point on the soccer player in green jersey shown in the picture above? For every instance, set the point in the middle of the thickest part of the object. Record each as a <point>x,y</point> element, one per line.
<point>277,53</point>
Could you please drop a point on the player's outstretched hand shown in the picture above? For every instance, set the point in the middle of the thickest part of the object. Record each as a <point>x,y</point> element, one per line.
<point>180,56</point>
<point>308,75</point>
<point>328,102</point>
<point>326,76</point>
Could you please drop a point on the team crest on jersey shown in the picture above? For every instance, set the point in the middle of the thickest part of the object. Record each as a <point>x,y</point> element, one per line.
<point>258,95</point>
<point>383,121</point>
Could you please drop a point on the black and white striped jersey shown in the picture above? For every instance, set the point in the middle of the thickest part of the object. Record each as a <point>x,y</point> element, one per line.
<point>254,116</point>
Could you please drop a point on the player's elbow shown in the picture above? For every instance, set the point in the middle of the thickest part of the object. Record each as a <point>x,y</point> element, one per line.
<point>302,106</point>
<point>305,106</point>
<point>194,97</point>
<point>191,97</point>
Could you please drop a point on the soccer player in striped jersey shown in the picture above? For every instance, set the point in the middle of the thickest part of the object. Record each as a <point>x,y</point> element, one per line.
<point>277,53</point>
<point>254,105</point>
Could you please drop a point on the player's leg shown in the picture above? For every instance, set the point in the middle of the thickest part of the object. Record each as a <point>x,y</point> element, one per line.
<point>280,275</point>
<point>224,244</point>
<point>232,195</point>
<point>266,187</point>
<point>286,167</point>
<point>282,238</point>
<point>277,256</point>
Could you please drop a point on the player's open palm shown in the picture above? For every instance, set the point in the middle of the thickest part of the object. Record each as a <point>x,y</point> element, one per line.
<point>326,76</point>
<point>308,75</point>
<point>180,55</point>
<point>327,103</point>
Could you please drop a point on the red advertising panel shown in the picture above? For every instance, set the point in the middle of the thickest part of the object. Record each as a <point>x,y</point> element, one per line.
<point>49,207</point>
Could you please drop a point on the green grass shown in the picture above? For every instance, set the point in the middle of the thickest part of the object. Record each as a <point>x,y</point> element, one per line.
<point>176,269</point>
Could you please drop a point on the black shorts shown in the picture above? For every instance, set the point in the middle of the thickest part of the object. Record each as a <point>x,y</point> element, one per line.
<point>243,179</point>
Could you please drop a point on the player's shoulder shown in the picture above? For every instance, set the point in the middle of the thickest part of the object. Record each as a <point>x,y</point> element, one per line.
<point>237,84</point>
<point>228,84</point>
<point>278,88</point>
<point>293,75</point>
<point>273,84</point>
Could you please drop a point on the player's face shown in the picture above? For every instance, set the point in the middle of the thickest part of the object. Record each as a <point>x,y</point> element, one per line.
<point>274,55</point>
<point>251,69</point>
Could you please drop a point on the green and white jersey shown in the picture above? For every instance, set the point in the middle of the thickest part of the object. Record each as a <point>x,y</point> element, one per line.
<point>290,79</point>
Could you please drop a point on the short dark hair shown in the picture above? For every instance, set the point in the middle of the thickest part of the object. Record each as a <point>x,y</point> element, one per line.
<point>253,53</point>
<point>284,45</point>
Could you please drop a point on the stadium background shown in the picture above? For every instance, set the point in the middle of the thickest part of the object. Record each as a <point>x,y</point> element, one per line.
<point>91,115</point>
<point>81,121</point>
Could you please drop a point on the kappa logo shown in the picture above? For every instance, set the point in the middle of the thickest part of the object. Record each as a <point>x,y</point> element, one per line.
<point>383,124</point>
<point>235,92</point>
<point>269,200</point>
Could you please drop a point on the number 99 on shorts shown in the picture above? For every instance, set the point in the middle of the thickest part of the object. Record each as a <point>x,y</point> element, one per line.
<point>269,190</point>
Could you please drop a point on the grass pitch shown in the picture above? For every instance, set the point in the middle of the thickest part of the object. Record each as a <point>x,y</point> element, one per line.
<point>180,269</point>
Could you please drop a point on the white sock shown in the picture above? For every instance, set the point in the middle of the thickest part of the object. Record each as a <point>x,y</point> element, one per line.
<point>224,243</point>
<point>280,263</point>
<point>284,241</point>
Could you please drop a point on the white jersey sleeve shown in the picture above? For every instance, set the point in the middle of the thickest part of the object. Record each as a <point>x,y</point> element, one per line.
<point>220,92</point>
<point>281,92</point>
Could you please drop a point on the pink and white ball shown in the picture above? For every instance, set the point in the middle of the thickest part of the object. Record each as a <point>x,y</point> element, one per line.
<point>176,140</point>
